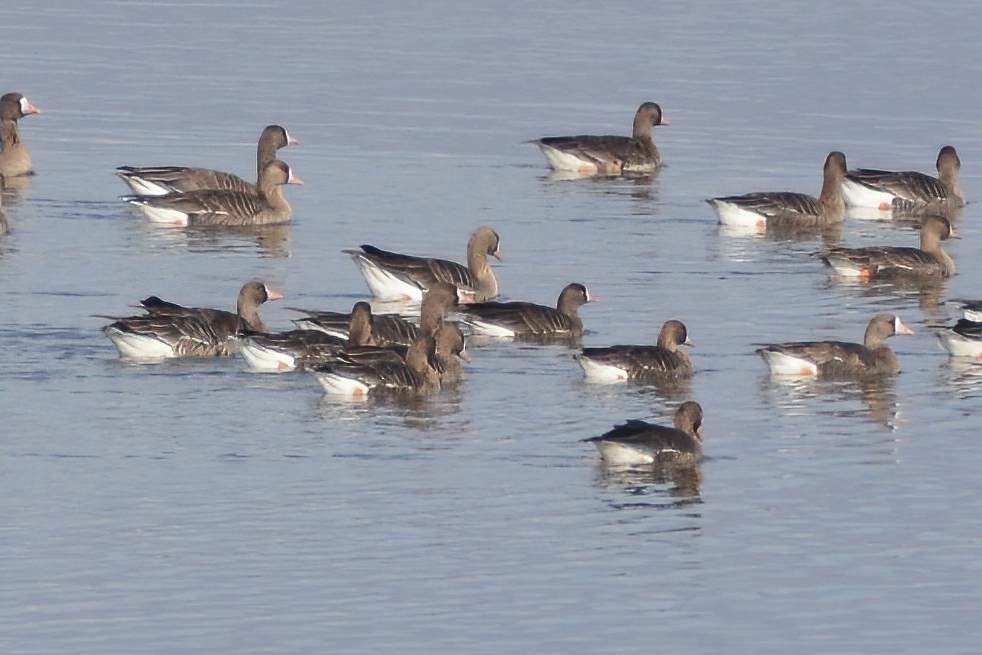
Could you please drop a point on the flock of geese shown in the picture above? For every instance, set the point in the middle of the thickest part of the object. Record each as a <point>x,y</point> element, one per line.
<point>357,353</point>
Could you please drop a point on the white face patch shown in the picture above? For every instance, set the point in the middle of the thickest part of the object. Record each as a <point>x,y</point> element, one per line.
<point>24,105</point>
<point>897,324</point>
<point>588,298</point>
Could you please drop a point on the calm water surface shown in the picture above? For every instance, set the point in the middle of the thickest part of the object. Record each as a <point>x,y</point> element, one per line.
<point>195,507</point>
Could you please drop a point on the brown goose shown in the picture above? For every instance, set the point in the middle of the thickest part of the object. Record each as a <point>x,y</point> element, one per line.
<point>230,208</point>
<point>14,158</point>
<point>161,180</point>
<point>639,442</point>
<point>387,329</point>
<point>608,155</point>
<point>930,260</point>
<point>906,191</point>
<point>762,210</point>
<point>288,351</point>
<point>621,363</point>
<point>524,319</point>
<point>449,348</point>
<point>362,376</point>
<point>392,276</point>
<point>169,330</point>
<point>839,358</point>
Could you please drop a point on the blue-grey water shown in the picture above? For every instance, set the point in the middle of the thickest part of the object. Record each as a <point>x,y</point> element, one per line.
<point>194,507</point>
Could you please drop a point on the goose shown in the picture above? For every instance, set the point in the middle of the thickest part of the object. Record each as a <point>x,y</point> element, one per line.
<point>162,180</point>
<point>393,276</point>
<point>229,208</point>
<point>930,260</point>
<point>783,209</point>
<point>412,375</point>
<point>622,363</point>
<point>906,190</point>
<point>524,319</point>
<point>169,330</point>
<point>609,154</point>
<point>839,358</point>
<point>639,442</point>
<point>15,160</point>
<point>302,348</point>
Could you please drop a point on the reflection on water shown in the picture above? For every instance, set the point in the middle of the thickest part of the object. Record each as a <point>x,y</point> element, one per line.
<point>963,376</point>
<point>925,290</point>
<point>806,396</point>
<point>267,240</point>
<point>419,412</point>
<point>830,235</point>
<point>660,486</point>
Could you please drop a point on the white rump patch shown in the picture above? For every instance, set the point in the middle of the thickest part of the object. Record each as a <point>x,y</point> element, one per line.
<point>564,161</point>
<point>162,215</point>
<point>482,328</point>
<point>265,360</point>
<point>143,187</point>
<point>139,346</point>
<point>733,215</point>
<point>597,372</point>
<point>384,285</point>
<point>784,364</point>
<point>618,454</point>
<point>855,194</point>
<point>338,385</point>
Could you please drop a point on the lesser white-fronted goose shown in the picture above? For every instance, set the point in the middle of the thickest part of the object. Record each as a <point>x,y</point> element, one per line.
<point>906,190</point>
<point>609,154</point>
<point>839,358</point>
<point>639,442</point>
<point>525,319</point>
<point>288,351</point>
<point>622,363</point>
<point>267,206</point>
<point>169,330</point>
<point>15,160</point>
<point>161,180</point>
<point>392,276</point>
<point>929,261</point>
<point>963,339</point>
<point>762,210</point>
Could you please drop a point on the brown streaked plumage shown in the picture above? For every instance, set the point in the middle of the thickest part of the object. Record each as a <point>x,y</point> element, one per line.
<point>395,276</point>
<point>929,261</point>
<point>839,358</point>
<point>15,160</point>
<point>524,319</point>
<point>641,362</point>
<point>171,330</point>
<point>232,208</point>
<point>608,154</point>
<point>639,442</point>
<point>161,180</point>
<point>907,191</point>
<point>763,210</point>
